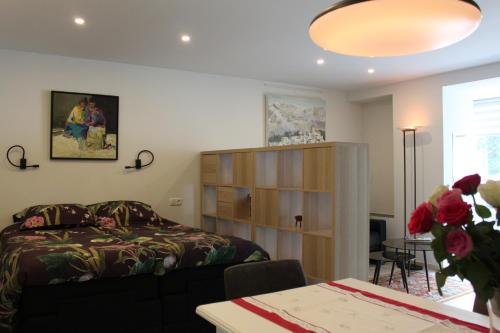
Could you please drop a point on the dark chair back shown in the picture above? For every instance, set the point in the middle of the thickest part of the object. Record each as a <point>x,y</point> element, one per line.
<point>377,234</point>
<point>263,277</point>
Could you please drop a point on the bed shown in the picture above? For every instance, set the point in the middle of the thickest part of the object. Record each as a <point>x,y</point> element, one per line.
<point>124,274</point>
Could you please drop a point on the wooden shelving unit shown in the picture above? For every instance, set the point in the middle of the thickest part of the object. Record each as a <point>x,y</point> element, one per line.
<point>256,193</point>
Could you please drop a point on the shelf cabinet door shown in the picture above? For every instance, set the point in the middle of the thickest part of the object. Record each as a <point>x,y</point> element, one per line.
<point>209,169</point>
<point>225,210</point>
<point>266,207</point>
<point>317,257</point>
<point>318,169</point>
<point>243,169</point>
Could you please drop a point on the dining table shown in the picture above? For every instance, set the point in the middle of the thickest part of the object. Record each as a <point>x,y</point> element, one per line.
<point>347,305</point>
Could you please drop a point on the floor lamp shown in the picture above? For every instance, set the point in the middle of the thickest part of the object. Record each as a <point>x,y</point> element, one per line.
<point>412,133</point>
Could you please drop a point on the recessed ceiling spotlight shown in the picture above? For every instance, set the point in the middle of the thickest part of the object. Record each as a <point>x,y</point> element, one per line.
<point>79,21</point>
<point>186,38</point>
<point>371,71</point>
<point>320,61</point>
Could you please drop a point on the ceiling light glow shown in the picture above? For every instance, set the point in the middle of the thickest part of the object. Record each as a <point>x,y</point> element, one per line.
<point>374,28</point>
<point>79,21</point>
<point>186,38</point>
<point>371,71</point>
<point>320,61</point>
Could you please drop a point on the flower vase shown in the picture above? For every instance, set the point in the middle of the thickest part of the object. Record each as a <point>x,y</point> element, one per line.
<point>494,312</point>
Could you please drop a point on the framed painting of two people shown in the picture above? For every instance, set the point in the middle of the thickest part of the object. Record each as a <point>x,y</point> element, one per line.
<point>84,126</point>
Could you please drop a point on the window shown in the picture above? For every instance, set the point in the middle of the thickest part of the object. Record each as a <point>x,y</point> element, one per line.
<point>477,148</point>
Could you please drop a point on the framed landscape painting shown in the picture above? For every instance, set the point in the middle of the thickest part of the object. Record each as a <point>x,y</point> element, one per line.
<point>83,126</point>
<point>294,120</point>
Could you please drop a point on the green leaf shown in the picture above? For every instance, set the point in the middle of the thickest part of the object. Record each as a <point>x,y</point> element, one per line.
<point>478,274</point>
<point>57,281</point>
<point>58,263</point>
<point>440,252</point>
<point>255,256</point>
<point>143,267</point>
<point>483,211</point>
<point>441,279</point>
<point>159,269</point>
<point>222,255</point>
<point>437,230</point>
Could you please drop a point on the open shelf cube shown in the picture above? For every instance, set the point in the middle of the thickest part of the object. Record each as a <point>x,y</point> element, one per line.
<point>290,168</point>
<point>266,169</point>
<point>267,238</point>
<point>209,200</point>
<point>290,205</point>
<point>289,245</point>
<point>266,207</point>
<point>208,223</point>
<point>242,230</point>
<point>224,227</point>
<point>225,169</point>
<point>318,212</point>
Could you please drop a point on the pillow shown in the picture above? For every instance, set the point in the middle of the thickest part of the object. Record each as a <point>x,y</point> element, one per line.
<point>19,216</point>
<point>51,216</point>
<point>123,212</point>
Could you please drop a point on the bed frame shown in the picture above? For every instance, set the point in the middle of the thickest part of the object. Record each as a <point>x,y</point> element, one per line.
<point>137,304</point>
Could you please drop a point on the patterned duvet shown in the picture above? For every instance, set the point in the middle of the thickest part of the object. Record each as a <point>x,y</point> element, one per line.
<point>42,257</point>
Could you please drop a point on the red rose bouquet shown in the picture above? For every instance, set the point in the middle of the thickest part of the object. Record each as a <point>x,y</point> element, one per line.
<point>470,248</point>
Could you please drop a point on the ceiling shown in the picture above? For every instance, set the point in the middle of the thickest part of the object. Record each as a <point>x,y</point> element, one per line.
<point>259,39</point>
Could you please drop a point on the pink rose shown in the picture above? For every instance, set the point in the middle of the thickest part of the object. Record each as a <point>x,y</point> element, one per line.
<point>452,209</point>
<point>34,222</point>
<point>107,222</point>
<point>421,219</point>
<point>34,238</point>
<point>450,197</point>
<point>459,243</point>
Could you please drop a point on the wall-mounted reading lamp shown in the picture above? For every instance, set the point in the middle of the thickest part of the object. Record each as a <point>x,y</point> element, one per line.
<point>138,162</point>
<point>22,162</point>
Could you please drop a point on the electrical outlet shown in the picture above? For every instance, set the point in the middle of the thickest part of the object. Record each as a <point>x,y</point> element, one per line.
<point>175,202</point>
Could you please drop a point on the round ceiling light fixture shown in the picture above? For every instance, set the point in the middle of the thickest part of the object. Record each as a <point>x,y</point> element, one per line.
<point>383,28</point>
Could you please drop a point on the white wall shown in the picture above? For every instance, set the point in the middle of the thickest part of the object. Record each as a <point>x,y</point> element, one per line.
<point>420,102</point>
<point>377,132</point>
<point>175,114</point>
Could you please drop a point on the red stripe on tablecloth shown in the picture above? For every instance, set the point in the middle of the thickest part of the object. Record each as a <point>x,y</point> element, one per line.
<point>436,315</point>
<point>271,316</point>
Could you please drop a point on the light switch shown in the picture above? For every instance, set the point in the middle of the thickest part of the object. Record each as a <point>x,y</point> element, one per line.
<point>175,202</point>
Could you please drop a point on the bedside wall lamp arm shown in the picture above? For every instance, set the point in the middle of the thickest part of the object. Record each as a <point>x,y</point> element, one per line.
<point>138,162</point>
<point>22,162</point>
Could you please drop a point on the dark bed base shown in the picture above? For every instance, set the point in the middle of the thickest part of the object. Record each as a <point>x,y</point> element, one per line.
<point>145,304</point>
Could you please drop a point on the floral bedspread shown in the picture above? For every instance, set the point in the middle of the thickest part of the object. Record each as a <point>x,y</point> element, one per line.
<point>42,257</point>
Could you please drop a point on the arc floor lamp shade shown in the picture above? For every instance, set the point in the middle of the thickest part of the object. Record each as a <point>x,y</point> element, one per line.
<point>380,28</point>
